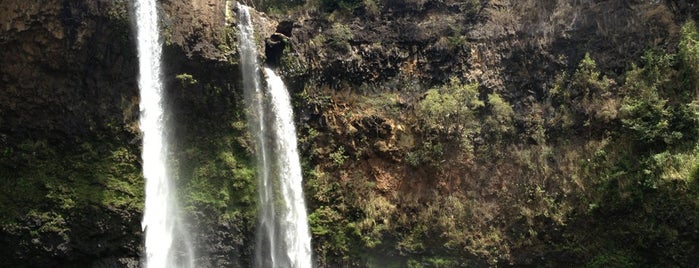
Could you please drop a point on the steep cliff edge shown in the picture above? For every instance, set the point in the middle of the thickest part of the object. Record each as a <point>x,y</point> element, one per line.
<point>433,133</point>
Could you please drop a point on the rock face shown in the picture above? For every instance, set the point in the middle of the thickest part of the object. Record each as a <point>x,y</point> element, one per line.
<point>71,180</point>
<point>68,84</point>
<point>519,172</point>
<point>47,51</point>
<point>498,182</point>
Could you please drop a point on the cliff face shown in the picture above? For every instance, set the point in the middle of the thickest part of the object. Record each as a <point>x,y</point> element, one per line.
<point>476,133</point>
<point>70,176</point>
<point>56,53</point>
<point>433,133</point>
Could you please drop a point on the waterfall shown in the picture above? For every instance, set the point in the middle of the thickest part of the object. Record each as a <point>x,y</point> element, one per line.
<point>161,223</point>
<point>283,239</point>
<point>295,222</point>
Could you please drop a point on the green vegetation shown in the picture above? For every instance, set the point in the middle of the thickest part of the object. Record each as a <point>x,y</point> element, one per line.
<point>340,36</point>
<point>290,64</point>
<point>689,57</point>
<point>186,79</point>
<point>644,194</point>
<point>338,157</point>
<point>585,100</point>
<point>455,111</point>
<point>59,195</point>
<point>211,153</point>
<point>602,169</point>
<point>89,174</point>
<point>450,109</point>
<point>499,118</point>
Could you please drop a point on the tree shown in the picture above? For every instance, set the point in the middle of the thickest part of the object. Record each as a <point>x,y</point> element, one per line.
<point>587,99</point>
<point>450,108</point>
<point>689,56</point>
<point>652,113</point>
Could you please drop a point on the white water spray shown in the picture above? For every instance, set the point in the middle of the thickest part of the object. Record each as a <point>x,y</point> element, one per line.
<point>160,217</point>
<point>283,239</point>
<point>294,222</point>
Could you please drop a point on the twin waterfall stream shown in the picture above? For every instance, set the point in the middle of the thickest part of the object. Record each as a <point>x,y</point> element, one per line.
<point>283,238</point>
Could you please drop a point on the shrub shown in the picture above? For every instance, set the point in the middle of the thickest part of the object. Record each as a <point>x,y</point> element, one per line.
<point>689,54</point>
<point>651,119</point>
<point>450,108</point>
<point>340,36</point>
<point>586,98</point>
<point>186,79</point>
<point>372,8</point>
<point>499,118</point>
<point>339,156</point>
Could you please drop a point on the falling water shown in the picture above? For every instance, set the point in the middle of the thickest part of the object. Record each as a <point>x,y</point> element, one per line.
<point>294,222</point>
<point>283,239</point>
<point>161,223</point>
